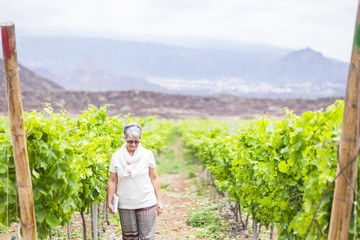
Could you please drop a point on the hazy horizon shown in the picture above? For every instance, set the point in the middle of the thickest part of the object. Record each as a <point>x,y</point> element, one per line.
<point>325,26</point>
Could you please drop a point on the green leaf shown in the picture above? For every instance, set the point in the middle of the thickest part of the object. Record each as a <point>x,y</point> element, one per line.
<point>67,208</point>
<point>3,167</point>
<point>42,189</point>
<point>40,215</point>
<point>307,205</point>
<point>56,185</point>
<point>283,167</point>
<point>285,150</point>
<point>35,174</point>
<point>291,182</point>
<point>51,155</point>
<point>52,220</point>
<point>38,135</point>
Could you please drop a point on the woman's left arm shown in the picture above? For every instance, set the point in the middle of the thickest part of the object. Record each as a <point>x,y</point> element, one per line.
<point>156,183</point>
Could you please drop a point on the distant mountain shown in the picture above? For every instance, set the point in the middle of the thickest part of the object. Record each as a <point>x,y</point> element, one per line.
<point>139,59</point>
<point>305,65</point>
<point>90,76</point>
<point>252,71</point>
<point>306,72</point>
<point>210,43</point>
<point>29,81</point>
<point>303,73</point>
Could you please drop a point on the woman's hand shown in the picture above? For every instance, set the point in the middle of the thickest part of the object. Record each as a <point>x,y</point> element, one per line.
<point>111,208</point>
<point>111,191</point>
<point>156,183</point>
<point>159,207</point>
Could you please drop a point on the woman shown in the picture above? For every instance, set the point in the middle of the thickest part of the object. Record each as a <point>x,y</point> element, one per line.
<point>133,172</point>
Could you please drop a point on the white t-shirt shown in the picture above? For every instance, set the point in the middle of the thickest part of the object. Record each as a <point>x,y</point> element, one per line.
<point>135,192</point>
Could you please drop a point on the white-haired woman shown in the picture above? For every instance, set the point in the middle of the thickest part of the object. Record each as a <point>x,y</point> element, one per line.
<point>133,175</point>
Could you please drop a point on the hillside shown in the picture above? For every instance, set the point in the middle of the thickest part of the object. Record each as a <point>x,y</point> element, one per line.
<point>89,76</point>
<point>37,90</point>
<point>141,103</point>
<point>305,73</point>
<point>139,59</point>
<point>29,80</point>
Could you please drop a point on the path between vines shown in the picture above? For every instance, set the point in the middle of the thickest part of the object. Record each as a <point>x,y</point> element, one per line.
<point>180,196</point>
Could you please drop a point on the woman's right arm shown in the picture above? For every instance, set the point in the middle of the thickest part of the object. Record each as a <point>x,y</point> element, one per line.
<point>111,190</point>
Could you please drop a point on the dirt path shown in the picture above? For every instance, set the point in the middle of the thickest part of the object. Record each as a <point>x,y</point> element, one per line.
<point>177,199</point>
<point>177,202</point>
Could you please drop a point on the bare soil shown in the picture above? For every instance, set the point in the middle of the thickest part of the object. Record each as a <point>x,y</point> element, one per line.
<point>142,103</point>
<point>177,202</point>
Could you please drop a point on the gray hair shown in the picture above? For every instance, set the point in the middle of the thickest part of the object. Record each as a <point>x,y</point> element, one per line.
<point>132,129</point>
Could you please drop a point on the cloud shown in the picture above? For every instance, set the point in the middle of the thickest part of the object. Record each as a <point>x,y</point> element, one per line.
<point>325,25</point>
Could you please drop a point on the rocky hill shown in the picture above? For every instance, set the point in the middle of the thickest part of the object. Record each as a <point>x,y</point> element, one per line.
<point>89,76</point>
<point>30,81</point>
<point>37,90</point>
<point>305,73</point>
<point>141,103</point>
<point>303,66</point>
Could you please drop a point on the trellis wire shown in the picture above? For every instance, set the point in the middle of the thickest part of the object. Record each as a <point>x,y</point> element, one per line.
<point>18,230</point>
<point>6,109</point>
<point>230,127</point>
<point>357,139</point>
<point>124,120</point>
<point>7,148</point>
<point>7,185</point>
<point>357,132</point>
<point>355,214</point>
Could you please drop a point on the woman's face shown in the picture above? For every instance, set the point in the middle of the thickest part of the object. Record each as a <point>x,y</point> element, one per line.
<point>132,143</point>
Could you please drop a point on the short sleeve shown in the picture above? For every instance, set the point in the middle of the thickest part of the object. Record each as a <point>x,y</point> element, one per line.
<point>152,162</point>
<point>112,167</point>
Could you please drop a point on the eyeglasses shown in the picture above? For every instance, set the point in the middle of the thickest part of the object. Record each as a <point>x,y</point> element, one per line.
<point>131,142</point>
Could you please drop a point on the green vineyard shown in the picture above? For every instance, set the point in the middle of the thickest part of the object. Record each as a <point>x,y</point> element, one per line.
<point>69,161</point>
<point>276,170</point>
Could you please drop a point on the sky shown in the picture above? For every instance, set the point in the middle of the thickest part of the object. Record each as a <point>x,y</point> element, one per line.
<point>323,25</point>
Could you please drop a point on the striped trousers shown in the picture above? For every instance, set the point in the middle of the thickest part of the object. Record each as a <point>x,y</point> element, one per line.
<point>138,224</point>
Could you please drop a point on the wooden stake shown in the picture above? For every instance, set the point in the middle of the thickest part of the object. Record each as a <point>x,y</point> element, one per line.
<point>23,177</point>
<point>348,149</point>
<point>94,221</point>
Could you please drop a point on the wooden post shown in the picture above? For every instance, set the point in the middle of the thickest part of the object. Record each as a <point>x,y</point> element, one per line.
<point>23,177</point>
<point>230,127</point>
<point>348,148</point>
<point>94,222</point>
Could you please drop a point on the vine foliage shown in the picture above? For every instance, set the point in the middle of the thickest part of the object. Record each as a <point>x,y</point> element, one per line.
<point>69,160</point>
<point>277,170</point>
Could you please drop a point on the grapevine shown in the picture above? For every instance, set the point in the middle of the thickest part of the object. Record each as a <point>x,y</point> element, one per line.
<point>276,169</point>
<point>69,160</point>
